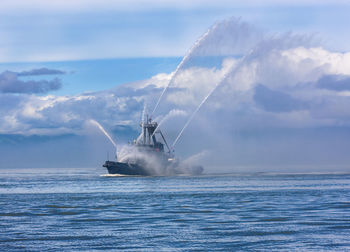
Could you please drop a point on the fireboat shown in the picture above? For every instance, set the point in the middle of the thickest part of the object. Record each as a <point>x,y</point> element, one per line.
<point>146,156</point>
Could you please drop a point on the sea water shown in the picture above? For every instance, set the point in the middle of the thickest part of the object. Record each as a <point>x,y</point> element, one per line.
<point>80,210</point>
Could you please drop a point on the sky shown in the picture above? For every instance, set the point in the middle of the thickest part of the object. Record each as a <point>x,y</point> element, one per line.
<point>277,73</point>
<point>37,30</point>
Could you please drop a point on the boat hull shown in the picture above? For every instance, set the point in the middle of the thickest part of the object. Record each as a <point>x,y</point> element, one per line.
<point>125,168</point>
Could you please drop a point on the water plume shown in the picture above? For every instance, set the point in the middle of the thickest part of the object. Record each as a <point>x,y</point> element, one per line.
<point>198,108</point>
<point>99,126</point>
<point>183,61</point>
<point>228,37</point>
<point>139,137</point>
<point>144,111</point>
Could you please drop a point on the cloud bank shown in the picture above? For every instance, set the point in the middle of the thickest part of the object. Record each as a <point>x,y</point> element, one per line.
<point>10,83</point>
<point>278,101</point>
<point>40,71</point>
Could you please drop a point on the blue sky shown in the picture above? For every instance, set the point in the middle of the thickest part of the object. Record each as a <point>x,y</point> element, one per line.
<point>37,30</point>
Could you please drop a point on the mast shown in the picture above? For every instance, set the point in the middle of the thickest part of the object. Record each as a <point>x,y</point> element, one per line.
<point>149,130</point>
<point>144,131</point>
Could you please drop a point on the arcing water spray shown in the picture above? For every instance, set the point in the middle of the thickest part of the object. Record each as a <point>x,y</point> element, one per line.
<point>183,61</point>
<point>197,109</point>
<point>99,126</point>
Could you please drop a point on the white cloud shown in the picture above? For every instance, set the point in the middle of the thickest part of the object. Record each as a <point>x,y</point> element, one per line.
<point>331,62</point>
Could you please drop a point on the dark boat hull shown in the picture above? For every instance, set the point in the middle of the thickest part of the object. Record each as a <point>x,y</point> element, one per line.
<point>125,168</point>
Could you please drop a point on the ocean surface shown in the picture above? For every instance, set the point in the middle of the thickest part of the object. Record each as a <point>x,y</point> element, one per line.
<point>84,210</point>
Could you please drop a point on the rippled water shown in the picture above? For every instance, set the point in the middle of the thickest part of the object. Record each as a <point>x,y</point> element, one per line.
<point>77,209</point>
